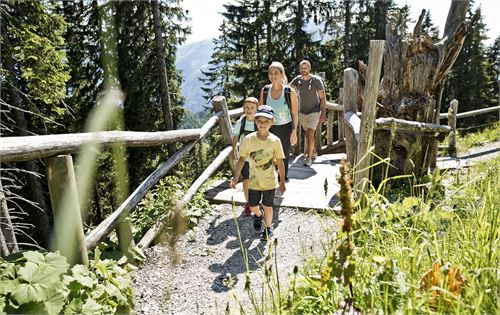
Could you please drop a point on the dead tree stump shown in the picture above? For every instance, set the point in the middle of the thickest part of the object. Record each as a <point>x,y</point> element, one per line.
<point>414,69</point>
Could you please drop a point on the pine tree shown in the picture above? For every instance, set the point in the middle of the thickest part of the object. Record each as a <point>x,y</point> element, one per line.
<point>35,72</point>
<point>468,80</point>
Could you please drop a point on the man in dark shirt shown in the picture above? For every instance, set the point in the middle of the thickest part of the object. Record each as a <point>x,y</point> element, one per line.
<point>312,104</point>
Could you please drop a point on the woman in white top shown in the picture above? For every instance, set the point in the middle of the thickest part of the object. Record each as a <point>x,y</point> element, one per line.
<point>285,114</point>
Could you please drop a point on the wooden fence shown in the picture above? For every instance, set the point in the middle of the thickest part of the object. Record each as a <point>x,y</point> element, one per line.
<point>56,150</point>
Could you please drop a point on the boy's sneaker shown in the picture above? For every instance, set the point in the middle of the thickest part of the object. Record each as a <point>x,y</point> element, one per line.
<point>246,210</point>
<point>257,221</point>
<point>266,234</point>
<point>308,161</point>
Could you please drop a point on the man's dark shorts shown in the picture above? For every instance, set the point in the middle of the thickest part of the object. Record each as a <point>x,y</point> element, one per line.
<point>245,172</point>
<point>265,197</point>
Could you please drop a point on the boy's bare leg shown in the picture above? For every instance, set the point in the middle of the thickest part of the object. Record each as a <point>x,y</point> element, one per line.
<point>268,217</point>
<point>245,189</point>
<point>256,211</point>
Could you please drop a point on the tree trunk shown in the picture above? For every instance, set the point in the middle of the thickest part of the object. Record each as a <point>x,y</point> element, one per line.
<point>347,31</point>
<point>162,69</point>
<point>8,242</point>
<point>269,30</point>
<point>38,217</point>
<point>414,69</point>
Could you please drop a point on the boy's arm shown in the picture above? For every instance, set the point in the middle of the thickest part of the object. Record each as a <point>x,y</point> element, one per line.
<point>239,167</point>
<point>281,171</point>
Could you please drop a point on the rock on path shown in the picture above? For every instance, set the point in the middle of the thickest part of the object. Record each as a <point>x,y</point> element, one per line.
<point>194,277</point>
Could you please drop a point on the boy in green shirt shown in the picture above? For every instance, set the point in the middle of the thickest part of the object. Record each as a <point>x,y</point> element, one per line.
<point>263,150</point>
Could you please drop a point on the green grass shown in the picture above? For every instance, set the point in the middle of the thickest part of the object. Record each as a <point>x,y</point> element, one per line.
<point>475,139</point>
<point>380,266</point>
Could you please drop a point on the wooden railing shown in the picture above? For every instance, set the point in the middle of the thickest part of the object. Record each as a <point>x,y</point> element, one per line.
<point>56,150</point>
<point>359,127</point>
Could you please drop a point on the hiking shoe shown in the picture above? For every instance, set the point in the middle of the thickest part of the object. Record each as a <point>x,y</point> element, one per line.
<point>308,161</point>
<point>246,210</point>
<point>266,234</point>
<point>257,221</point>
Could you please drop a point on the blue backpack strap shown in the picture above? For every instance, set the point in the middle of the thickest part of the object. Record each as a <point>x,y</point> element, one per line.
<point>288,100</point>
<point>243,124</point>
<point>265,91</point>
<point>243,121</point>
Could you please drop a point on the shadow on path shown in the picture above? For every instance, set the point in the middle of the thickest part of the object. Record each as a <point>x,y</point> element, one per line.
<point>250,251</point>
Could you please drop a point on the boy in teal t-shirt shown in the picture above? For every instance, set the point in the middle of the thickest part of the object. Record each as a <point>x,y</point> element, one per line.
<point>264,152</point>
<point>244,126</point>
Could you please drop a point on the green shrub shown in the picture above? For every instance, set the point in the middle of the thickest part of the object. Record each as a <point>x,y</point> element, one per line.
<point>43,283</point>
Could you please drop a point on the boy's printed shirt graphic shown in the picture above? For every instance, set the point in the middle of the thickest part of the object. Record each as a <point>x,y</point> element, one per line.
<point>261,155</point>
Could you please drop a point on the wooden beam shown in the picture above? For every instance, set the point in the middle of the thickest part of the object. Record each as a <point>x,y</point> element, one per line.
<point>349,97</point>
<point>363,158</point>
<point>69,236</point>
<point>106,226</point>
<point>410,126</point>
<point>473,112</point>
<point>15,149</point>
<point>219,104</point>
<point>154,231</point>
<point>452,124</point>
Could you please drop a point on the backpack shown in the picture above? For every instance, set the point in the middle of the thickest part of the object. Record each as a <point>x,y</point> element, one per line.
<point>242,127</point>
<point>288,99</point>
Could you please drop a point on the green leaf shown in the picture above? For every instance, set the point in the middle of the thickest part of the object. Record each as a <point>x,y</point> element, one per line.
<point>25,293</point>
<point>34,273</point>
<point>2,305</point>
<point>8,271</point>
<point>6,286</point>
<point>81,274</point>
<point>91,307</point>
<point>55,303</point>
<point>34,256</point>
<point>74,307</point>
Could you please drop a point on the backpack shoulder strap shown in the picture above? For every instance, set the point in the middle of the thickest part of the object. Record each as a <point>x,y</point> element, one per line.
<point>243,122</point>
<point>288,99</point>
<point>265,91</point>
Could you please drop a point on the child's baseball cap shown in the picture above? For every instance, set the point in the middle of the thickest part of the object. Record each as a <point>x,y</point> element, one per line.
<point>265,111</point>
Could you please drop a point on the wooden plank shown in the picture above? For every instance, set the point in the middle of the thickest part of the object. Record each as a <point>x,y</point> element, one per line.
<point>219,104</point>
<point>452,124</point>
<point>472,112</point>
<point>305,190</point>
<point>69,236</point>
<point>349,97</point>
<point>159,226</point>
<point>15,149</point>
<point>410,126</point>
<point>363,159</point>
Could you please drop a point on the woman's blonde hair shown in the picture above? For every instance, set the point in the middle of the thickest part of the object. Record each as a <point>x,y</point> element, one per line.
<point>278,65</point>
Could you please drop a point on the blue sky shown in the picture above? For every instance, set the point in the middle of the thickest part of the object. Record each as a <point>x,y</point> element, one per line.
<point>206,18</point>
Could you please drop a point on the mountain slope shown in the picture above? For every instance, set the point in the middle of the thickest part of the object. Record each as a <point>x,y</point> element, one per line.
<point>190,59</point>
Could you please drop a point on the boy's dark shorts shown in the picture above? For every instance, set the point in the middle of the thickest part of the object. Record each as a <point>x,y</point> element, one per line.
<point>266,197</point>
<point>245,172</point>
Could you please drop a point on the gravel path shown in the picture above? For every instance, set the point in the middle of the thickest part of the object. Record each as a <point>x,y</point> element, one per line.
<point>195,277</point>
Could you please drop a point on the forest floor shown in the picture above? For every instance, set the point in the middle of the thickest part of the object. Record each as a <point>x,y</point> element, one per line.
<point>206,271</point>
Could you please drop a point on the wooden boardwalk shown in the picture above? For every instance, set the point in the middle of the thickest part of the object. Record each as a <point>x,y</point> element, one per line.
<point>305,189</point>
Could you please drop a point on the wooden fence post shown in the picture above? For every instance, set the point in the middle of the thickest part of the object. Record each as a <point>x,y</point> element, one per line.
<point>68,231</point>
<point>363,159</point>
<point>320,125</point>
<point>452,123</point>
<point>340,124</point>
<point>349,97</point>
<point>220,105</point>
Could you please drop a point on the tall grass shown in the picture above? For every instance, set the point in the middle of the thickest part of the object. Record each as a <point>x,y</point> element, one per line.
<point>415,252</point>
